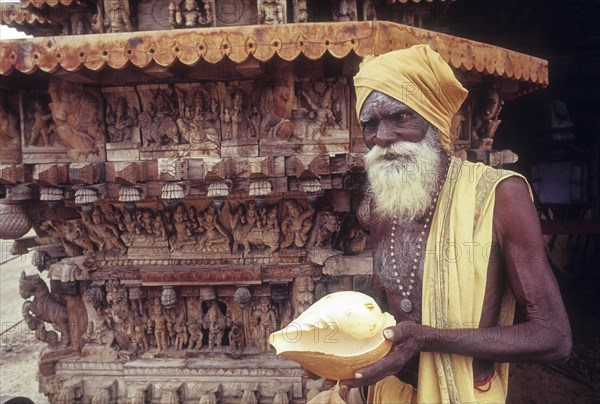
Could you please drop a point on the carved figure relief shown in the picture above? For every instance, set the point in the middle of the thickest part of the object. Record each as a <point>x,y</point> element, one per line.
<point>303,294</point>
<point>44,308</point>
<point>9,127</point>
<point>121,117</point>
<point>119,313</point>
<point>117,16</point>
<point>214,323</point>
<point>264,323</point>
<point>344,12</point>
<point>485,119</point>
<point>98,329</point>
<point>198,119</point>
<point>237,112</point>
<point>77,117</point>
<point>320,109</point>
<point>275,107</point>
<point>236,339</point>
<point>103,233</point>
<point>271,12</point>
<point>42,126</point>
<point>300,11</point>
<point>251,228</point>
<point>158,119</point>
<point>191,13</point>
<point>157,325</point>
<point>296,224</point>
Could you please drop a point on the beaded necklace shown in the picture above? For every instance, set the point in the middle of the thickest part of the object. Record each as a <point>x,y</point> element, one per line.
<point>406,304</point>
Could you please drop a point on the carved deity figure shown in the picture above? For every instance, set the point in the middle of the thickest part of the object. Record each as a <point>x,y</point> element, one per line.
<point>102,232</point>
<point>236,339</point>
<point>189,14</point>
<point>43,309</point>
<point>158,125</point>
<point>485,119</point>
<point>116,18</point>
<point>327,227</point>
<point>296,225</point>
<point>9,128</point>
<point>76,117</point>
<point>254,229</point>
<point>157,325</point>
<point>214,322</point>
<point>302,15</point>
<point>195,335</point>
<point>121,122</point>
<point>214,237</point>
<point>265,323</point>
<point>343,13</point>
<point>321,115</point>
<point>275,123</point>
<point>119,313</point>
<point>42,126</point>
<point>303,294</point>
<point>183,239</point>
<point>271,12</point>
<point>140,341</point>
<point>98,329</point>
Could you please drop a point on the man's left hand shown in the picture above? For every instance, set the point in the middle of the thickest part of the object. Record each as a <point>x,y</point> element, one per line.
<point>406,345</point>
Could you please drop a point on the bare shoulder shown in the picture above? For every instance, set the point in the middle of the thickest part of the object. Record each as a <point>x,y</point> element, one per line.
<point>514,211</point>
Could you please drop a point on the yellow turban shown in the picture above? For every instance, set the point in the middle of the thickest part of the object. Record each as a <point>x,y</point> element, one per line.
<point>419,78</point>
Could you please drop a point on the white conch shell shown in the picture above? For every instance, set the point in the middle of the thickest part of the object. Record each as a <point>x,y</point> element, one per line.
<point>335,336</point>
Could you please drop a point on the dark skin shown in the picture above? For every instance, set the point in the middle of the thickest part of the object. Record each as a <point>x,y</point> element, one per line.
<point>543,336</point>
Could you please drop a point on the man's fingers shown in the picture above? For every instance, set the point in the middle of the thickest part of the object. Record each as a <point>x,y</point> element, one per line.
<point>400,332</point>
<point>370,374</point>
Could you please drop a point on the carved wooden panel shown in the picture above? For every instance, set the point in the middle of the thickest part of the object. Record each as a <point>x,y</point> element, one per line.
<point>86,173</point>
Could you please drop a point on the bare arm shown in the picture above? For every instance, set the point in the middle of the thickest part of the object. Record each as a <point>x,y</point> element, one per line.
<point>543,337</point>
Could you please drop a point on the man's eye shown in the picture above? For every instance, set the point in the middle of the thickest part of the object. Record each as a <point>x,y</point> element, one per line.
<point>400,116</point>
<point>369,127</point>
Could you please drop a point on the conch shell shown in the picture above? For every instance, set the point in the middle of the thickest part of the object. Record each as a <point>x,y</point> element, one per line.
<point>340,333</point>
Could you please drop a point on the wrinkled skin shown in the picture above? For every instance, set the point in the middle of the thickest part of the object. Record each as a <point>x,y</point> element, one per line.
<point>543,335</point>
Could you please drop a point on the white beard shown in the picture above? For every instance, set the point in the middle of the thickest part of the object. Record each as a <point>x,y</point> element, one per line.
<point>403,176</point>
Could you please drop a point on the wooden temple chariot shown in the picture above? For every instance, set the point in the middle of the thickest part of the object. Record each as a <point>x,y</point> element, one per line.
<point>193,172</point>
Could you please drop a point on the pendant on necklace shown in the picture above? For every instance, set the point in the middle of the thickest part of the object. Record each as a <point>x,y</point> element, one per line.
<point>406,305</point>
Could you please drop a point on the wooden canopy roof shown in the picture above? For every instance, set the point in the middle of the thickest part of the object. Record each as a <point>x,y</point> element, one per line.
<point>289,41</point>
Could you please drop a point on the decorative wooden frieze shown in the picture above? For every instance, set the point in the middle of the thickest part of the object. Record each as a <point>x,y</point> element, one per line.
<point>124,172</point>
<point>302,166</point>
<point>170,169</point>
<point>51,174</point>
<point>11,174</point>
<point>86,173</point>
<point>216,169</point>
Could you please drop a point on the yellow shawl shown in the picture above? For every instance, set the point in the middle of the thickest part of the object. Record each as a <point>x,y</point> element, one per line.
<point>454,278</point>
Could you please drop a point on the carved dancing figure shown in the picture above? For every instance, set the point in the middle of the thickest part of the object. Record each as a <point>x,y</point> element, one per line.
<point>213,235</point>
<point>98,329</point>
<point>42,126</point>
<point>75,115</point>
<point>321,114</point>
<point>296,225</point>
<point>103,233</point>
<point>43,309</point>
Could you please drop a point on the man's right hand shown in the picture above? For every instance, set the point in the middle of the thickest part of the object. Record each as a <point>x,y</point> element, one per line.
<point>327,383</point>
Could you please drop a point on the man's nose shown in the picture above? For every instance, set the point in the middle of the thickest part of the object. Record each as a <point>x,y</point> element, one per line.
<point>386,136</point>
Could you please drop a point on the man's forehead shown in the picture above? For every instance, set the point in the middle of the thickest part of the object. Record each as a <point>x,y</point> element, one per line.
<point>381,104</point>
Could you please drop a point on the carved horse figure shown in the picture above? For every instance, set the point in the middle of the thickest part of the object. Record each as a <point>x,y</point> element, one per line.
<point>42,309</point>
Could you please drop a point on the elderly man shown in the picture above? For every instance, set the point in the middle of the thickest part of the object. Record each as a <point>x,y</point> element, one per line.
<point>456,245</point>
